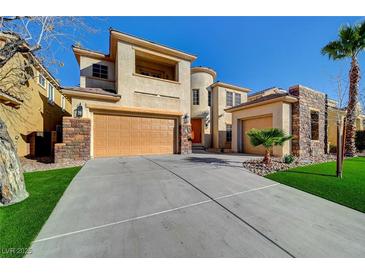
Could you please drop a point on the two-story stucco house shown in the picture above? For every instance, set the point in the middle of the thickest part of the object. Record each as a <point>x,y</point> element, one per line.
<point>137,98</point>
<point>211,124</point>
<point>33,110</point>
<point>145,98</point>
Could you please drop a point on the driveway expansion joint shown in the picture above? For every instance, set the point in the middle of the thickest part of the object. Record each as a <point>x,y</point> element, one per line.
<point>223,206</point>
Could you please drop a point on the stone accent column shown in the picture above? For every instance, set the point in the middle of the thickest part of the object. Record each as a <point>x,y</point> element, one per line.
<point>185,139</point>
<point>76,140</point>
<point>302,144</point>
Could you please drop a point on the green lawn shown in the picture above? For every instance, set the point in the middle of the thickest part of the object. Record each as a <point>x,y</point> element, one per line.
<point>20,223</point>
<point>321,180</point>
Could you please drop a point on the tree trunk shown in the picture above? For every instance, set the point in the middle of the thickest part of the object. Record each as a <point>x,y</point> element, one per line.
<point>12,186</point>
<point>351,108</point>
<point>267,157</point>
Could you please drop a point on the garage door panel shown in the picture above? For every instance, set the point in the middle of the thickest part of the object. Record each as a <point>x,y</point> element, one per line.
<point>258,123</point>
<point>126,135</point>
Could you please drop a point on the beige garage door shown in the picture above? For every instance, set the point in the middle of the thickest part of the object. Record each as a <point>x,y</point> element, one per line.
<point>127,135</point>
<point>261,122</point>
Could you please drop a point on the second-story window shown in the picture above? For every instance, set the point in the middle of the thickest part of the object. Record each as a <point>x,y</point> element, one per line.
<point>100,71</point>
<point>50,93</point>
<point>196,97</point>
<point>42,80</point>
<point>237,99</point>
<point>229,99</point>
<point>209,98</point>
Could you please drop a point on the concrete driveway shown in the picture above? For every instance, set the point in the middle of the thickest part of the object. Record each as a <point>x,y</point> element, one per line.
<point>200,205</point>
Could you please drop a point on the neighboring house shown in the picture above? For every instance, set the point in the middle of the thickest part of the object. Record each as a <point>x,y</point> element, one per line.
<point>335,113</point>
<point>33,110</point>
<point>211,124</point>
<point>303,112</point>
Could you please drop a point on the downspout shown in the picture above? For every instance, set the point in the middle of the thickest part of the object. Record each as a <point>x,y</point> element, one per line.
<point>326,125</point>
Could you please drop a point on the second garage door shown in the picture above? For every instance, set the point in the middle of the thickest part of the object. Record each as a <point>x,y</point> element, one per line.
<point>258,123</point>
<point>116,135</point>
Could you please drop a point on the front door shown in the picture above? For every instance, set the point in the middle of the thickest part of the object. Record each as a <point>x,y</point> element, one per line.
<point>196,128</point>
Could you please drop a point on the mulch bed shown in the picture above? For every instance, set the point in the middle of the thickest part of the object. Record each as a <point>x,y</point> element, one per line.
<point>277,164</point>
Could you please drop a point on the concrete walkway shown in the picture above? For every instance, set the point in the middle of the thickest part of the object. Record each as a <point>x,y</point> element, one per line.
<point>200,205</point>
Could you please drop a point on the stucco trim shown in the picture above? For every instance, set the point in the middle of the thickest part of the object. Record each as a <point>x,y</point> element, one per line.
<point>90,53</point>
<point>204,69</point>
<point>120,36</point>
<point>152,111</point>
<point>155,78</point>
<point>229,86</point>
<point>85,95</point>
<point>284,99</point>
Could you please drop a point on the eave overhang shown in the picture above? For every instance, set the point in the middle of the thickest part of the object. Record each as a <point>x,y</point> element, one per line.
<point>284,99</point>
<point>89,95</point>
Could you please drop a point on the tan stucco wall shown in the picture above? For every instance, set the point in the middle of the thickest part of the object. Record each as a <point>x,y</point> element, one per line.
<point>140,91</point>
<point>220,117</point>
<point>34,114</point>
<point>281,118</point>
<point>202,81</point>
<point>86,78</point>
<point>332,124</point>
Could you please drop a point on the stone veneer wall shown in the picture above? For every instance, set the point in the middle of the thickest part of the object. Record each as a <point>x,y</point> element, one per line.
<point>308,100</point>
<point>185,139</point>
<point>76,140</point>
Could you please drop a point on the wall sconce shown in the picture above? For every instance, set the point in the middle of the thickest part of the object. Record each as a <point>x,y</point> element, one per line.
<point>186,118</point>
<point>78,112</point>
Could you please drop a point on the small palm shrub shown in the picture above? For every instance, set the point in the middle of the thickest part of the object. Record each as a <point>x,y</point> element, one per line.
<point>268,138</point>
<point>288,158</point>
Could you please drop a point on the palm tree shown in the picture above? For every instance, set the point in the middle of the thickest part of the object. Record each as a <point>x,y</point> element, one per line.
<point>351,41</point>
<point>267,137</point>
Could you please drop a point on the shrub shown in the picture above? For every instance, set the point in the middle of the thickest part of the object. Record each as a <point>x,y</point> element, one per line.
<point>333,148</point>
<point>360,140</point>
<point>288,158</point>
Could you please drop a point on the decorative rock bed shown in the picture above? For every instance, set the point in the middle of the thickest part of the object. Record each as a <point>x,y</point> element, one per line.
<point>46,163</point>
<point>256,165</point>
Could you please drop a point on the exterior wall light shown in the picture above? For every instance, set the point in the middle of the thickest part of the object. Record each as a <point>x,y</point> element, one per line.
<point>78,112</point>
<point>186,118</point>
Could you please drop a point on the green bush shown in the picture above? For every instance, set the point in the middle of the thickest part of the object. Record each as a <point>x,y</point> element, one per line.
<point>360,140</point>
<point>288,159</point>
<point>333,148</point>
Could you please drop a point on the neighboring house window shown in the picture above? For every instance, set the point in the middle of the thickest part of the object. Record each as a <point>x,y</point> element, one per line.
<point>229,99</point>
<point>228,133</point>
<point>314,125</point>
<point>196,97</point>
<point>63,103</point>
<point>50,93</point>
<point>42,80</point>
<point>209,98</point>
<point>100,71</point>
<point>237,99</point>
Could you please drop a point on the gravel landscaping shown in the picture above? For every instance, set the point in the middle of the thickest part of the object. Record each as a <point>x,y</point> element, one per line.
<point>46,163</point>
<point>256,165</point>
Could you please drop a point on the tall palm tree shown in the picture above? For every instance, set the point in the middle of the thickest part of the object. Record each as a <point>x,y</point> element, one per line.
<point>268,138</point>
<point>350,42</point>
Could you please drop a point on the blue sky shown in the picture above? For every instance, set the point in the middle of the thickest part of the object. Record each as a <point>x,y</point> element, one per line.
<point>254,52</point>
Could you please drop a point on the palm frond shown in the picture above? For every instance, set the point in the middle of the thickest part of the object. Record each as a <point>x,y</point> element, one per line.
<point>351,40</point>
<point>335,50</point>
<point>267,137</point>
